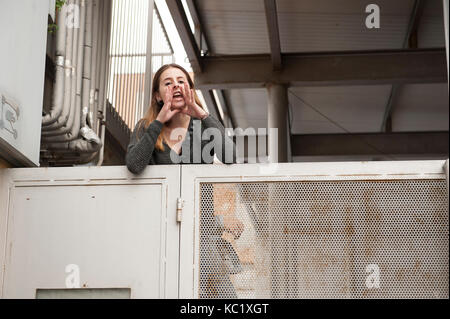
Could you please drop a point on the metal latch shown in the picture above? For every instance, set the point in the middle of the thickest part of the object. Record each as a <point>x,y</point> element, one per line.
<point>180,204</point>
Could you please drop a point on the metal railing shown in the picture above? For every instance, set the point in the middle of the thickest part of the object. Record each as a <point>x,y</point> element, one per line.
<point>289,230</point>
<point>129,54</point>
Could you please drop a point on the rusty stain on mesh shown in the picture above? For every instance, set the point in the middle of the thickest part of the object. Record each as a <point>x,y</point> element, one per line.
<point>315,239</point>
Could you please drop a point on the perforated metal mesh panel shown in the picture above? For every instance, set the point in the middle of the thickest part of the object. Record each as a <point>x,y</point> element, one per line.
<point>324,239</point>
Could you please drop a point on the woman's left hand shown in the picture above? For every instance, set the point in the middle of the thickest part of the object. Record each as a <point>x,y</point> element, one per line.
<point>191,108</point>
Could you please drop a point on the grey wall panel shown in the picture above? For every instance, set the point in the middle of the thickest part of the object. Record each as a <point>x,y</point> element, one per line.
<point>23,39</point>
<point>118,229</point>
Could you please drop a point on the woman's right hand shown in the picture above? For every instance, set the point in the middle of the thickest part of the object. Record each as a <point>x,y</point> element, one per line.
<point>166,112</point>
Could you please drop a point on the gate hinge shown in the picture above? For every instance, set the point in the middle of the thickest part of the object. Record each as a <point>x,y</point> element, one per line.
<point>180,204</point>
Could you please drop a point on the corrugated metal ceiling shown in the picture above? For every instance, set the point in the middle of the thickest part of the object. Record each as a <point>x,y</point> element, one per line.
<point>249,107</point>
<point>430,33</point>
<point>355,109</point>
<point>240,27</point>
<point>235,26</point>
<point>323,25</point>
<point>421,107</point>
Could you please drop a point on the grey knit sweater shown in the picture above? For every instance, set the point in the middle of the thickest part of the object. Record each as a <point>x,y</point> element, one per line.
<point>142,151</point>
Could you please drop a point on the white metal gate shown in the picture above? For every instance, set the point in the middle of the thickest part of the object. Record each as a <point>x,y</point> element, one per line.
<point>295,230</point>
<point>113,229</point>
<point>320,230</point>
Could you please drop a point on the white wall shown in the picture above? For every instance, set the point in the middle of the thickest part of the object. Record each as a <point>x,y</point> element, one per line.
<point>23,38</point>
<point>51,8</point>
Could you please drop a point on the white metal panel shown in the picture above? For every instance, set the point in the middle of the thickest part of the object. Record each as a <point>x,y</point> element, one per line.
<point>51,8</point>
<point>421,107</point>
<point>194,175</point>
<point>22,63</point>
<point>378,157</point>
<point>235,27</point>
<point>84,293</point>
<point>3,223</point>
<point>323,25</point>
<point>358,109</point>
<point>120,229</point>
<point>119,239</point>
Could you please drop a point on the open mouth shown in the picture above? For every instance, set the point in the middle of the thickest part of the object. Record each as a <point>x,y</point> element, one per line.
<point>177,95</point>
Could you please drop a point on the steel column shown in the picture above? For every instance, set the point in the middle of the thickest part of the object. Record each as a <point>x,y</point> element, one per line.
<point>277,114</point>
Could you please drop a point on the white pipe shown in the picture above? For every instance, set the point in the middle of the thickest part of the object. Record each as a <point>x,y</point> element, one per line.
<point>100,35</point>
<point>58,90</point>
<point>55,129</point>
<point>91,142</point>
<point>79,145</point>
<point>62,119</point>
<point>94,69</point>
<point>87,63</point>
<point>75,128</point>
<point>71,142</point>
<point>104,71</point>
<point>88,96</point>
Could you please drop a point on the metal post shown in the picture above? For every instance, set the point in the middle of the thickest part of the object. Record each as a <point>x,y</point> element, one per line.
<point>446,175</point>
<point>446,7</point>
<point>277,115</point>
<point>148,66</point>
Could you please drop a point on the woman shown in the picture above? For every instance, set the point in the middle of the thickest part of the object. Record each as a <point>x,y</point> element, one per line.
<point>158,139</point>
<point>169,134</point>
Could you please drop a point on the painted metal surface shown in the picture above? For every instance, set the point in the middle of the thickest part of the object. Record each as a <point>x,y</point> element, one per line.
<point>360,108</point>
<point>295,230</point>
<point>410,115</point>
<point>22,61</point>
<point>446,7</point>
<point>430,33</point>
<point>235,27</point>
<point>302,220</point>
<point>119,229</point>
<point>334,26</point>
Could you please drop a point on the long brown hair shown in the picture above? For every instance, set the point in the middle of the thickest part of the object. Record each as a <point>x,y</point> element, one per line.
<point>153,110</point>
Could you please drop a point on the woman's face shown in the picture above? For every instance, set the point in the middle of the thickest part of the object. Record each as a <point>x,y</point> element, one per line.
<point>174,79</point>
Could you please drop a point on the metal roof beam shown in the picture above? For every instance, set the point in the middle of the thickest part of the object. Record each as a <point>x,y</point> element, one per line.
<point>410,143</point>
<point>324,69</point>
<point>200,33</point>
<point>212,105</point>
<point>202,41</point>
<point>410,41</point>
<point>184,30</point>
<point>229,118</point>
<point>274,33</point>
<point>414,22</point>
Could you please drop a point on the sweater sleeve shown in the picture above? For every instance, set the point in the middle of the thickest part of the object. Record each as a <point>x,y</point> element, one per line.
<point>140,150</point>
<point>227,142</point>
